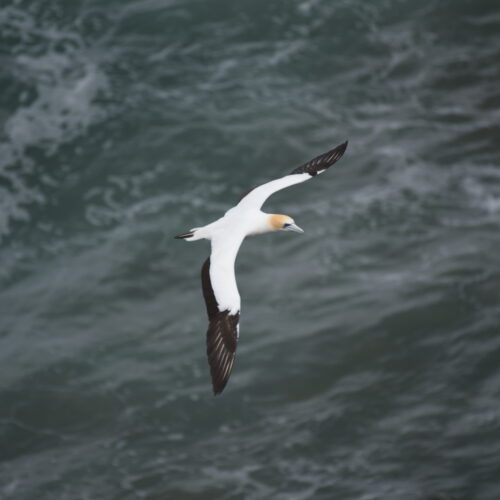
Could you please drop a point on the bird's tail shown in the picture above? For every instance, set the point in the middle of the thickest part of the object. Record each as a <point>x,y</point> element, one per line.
<point>189,236</point>
<point>184,236</point>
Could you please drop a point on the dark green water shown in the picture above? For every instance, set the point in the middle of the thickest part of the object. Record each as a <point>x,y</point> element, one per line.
<point>369,359</point>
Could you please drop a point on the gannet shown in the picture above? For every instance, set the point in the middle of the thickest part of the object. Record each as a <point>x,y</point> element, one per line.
<point>217,273</point>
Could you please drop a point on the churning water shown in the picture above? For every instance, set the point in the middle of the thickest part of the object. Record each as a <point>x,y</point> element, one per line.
<point>369,358</point>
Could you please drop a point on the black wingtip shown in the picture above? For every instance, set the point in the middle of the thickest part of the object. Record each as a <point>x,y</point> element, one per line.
<point>322,162</point>
<point>217,390</point>
<point>340,149</point>
<point>222,340</point>
<point>219,381</point>
<point>219,385</point>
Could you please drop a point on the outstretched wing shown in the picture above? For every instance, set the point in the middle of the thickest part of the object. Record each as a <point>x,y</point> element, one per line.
<point>223,309</point>
<point>256,197</point>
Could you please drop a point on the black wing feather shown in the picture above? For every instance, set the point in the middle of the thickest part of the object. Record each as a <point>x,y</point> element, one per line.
<point>222,335</point>
<point>317,164</point>
<point>208,293</point>
<point>322,162</point>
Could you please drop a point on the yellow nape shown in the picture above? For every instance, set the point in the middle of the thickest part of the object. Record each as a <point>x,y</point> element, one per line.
<point>277,221</point>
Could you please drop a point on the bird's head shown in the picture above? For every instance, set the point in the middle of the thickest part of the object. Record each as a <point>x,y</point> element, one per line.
<point>279,222</point>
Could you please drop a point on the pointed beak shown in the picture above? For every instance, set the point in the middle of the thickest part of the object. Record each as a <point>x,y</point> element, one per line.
<point>295,228</point>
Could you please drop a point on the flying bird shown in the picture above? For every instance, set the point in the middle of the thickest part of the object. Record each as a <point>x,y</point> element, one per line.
<point>217,274</point>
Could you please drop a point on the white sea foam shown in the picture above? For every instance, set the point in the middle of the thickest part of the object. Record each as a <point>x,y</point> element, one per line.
<point>59,104</point>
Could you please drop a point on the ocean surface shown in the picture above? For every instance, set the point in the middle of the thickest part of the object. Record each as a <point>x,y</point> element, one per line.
<point>368,366</point>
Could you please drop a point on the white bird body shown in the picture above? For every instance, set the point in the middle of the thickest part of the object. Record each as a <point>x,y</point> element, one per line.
<point>241,221</point>
<point>226,235</point>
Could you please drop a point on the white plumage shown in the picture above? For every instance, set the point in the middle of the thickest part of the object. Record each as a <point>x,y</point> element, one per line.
<point>226,235</point>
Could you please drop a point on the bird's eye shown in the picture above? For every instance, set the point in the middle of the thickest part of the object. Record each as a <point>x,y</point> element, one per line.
<point>286,224</point>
